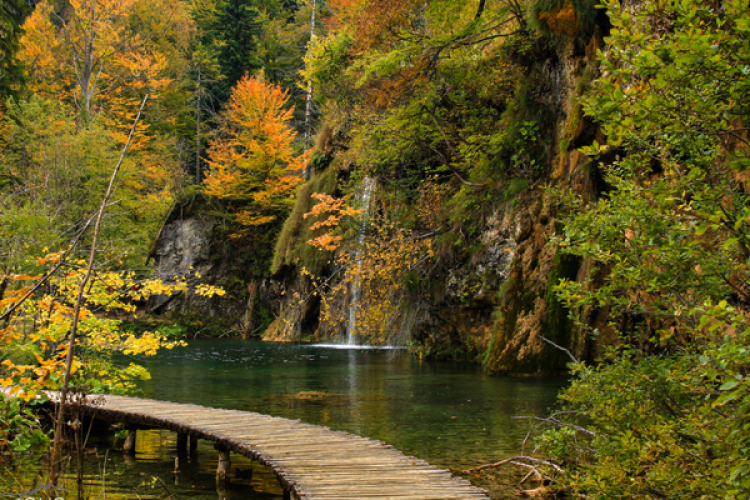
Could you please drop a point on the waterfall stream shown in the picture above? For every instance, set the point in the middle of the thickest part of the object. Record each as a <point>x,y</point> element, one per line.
<point>363,198</point>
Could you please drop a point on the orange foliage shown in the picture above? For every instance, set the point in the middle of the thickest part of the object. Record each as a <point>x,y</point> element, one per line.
<point>91,58</point>
<point>253,160</point>
<point>387,269</point>
<point>333,209</point>
<point>375,22</point>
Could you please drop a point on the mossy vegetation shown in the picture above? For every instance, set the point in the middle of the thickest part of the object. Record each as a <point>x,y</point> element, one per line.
<point>573,128</point>
<point>292,248</point>
<point>559,328</point>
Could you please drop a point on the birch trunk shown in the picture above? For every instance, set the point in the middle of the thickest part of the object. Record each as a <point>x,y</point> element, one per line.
<point>308,101</point>
<point>198,130</point>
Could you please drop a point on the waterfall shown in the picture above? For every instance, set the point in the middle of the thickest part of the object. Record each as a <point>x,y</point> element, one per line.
<point>364,197</point>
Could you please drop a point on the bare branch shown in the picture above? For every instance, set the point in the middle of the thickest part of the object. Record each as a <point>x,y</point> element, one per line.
<point>570,355</point>
<point>517,460</point>
<point>556,423</point>
<point>49,274</point>
<point>54,469</point>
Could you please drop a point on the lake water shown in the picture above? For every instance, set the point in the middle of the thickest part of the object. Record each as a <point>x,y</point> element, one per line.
<point>453,415</point>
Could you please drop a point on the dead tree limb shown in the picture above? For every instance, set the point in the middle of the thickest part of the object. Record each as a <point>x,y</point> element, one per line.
<point>557,423</point>
<point>517,460</point>
<point>570,355</point>
<point>57,443</point>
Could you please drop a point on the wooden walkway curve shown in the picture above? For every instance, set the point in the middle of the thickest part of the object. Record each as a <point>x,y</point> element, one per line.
<point>312,462</point>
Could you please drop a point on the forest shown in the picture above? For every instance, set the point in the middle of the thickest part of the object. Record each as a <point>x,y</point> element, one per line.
<point>540,187</point>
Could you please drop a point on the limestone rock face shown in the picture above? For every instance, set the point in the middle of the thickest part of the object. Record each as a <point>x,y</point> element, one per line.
<point>479,280</point>
<point>183,245</point>
<point>185,249</point>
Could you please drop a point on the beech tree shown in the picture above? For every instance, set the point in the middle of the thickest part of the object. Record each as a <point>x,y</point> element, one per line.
<point>253,164</point>
<point>89,56</point>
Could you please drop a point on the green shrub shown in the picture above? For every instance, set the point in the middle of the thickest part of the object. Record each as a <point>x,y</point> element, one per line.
<point>20,429</point>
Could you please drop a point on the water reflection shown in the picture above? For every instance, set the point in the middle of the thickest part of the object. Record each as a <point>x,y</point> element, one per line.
<point>149,475</point>
<point>451,414</point>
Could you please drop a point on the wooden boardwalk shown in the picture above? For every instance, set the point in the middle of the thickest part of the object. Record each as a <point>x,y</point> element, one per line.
<point>311,462</point>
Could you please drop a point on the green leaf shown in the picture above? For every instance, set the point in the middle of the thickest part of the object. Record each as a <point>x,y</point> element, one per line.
<point>729,385</point>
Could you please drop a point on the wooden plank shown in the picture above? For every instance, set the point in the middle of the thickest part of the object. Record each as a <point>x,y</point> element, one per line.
<point>316,462</point>
<point>343,475</point>
<point>377,490</point>
<point>401,496</point>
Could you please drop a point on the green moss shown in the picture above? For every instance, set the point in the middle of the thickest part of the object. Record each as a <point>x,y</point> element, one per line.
<point>502,299</point>
<point>559,328</point>
<point>589,74</point>
<point>291,246</point>
<point>573,129</point>
<point>516,186</point>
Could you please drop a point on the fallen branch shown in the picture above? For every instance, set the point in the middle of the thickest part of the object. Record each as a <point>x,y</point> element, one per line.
<point>516,461</point>
<point>164,485</point>
<point>556,423</point>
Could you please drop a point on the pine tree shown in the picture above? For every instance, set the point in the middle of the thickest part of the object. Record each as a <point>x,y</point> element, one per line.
<point>12,15</point>
<point>238,27</point>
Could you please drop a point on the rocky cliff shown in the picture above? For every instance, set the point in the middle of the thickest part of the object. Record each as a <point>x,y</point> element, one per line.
<point>495,301</point>
<point>482,284</point>
<point>193,245</point>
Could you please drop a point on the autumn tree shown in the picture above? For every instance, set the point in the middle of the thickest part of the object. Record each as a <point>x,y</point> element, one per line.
<point>48,172</point>
<point>88,54</point>
<point>97,58</point>
<point>253,165</point>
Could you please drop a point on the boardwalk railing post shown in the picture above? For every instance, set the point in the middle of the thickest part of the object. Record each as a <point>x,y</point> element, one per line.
<point>129,445</point>
<point>182,443</point>
<point>193,445</point>
<point>222,470</point>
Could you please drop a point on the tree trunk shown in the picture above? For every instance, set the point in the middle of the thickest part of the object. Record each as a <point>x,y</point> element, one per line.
<point>3,287</point>
<point>247,327</point>
<point>198,130</point>
<point>85,73</point>
<point>480,9</point>
<point>308,101</point>
<point>60,417</point>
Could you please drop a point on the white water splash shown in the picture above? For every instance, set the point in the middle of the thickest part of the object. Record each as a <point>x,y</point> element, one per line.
<point>364,198</point>
<point>358,347</point>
